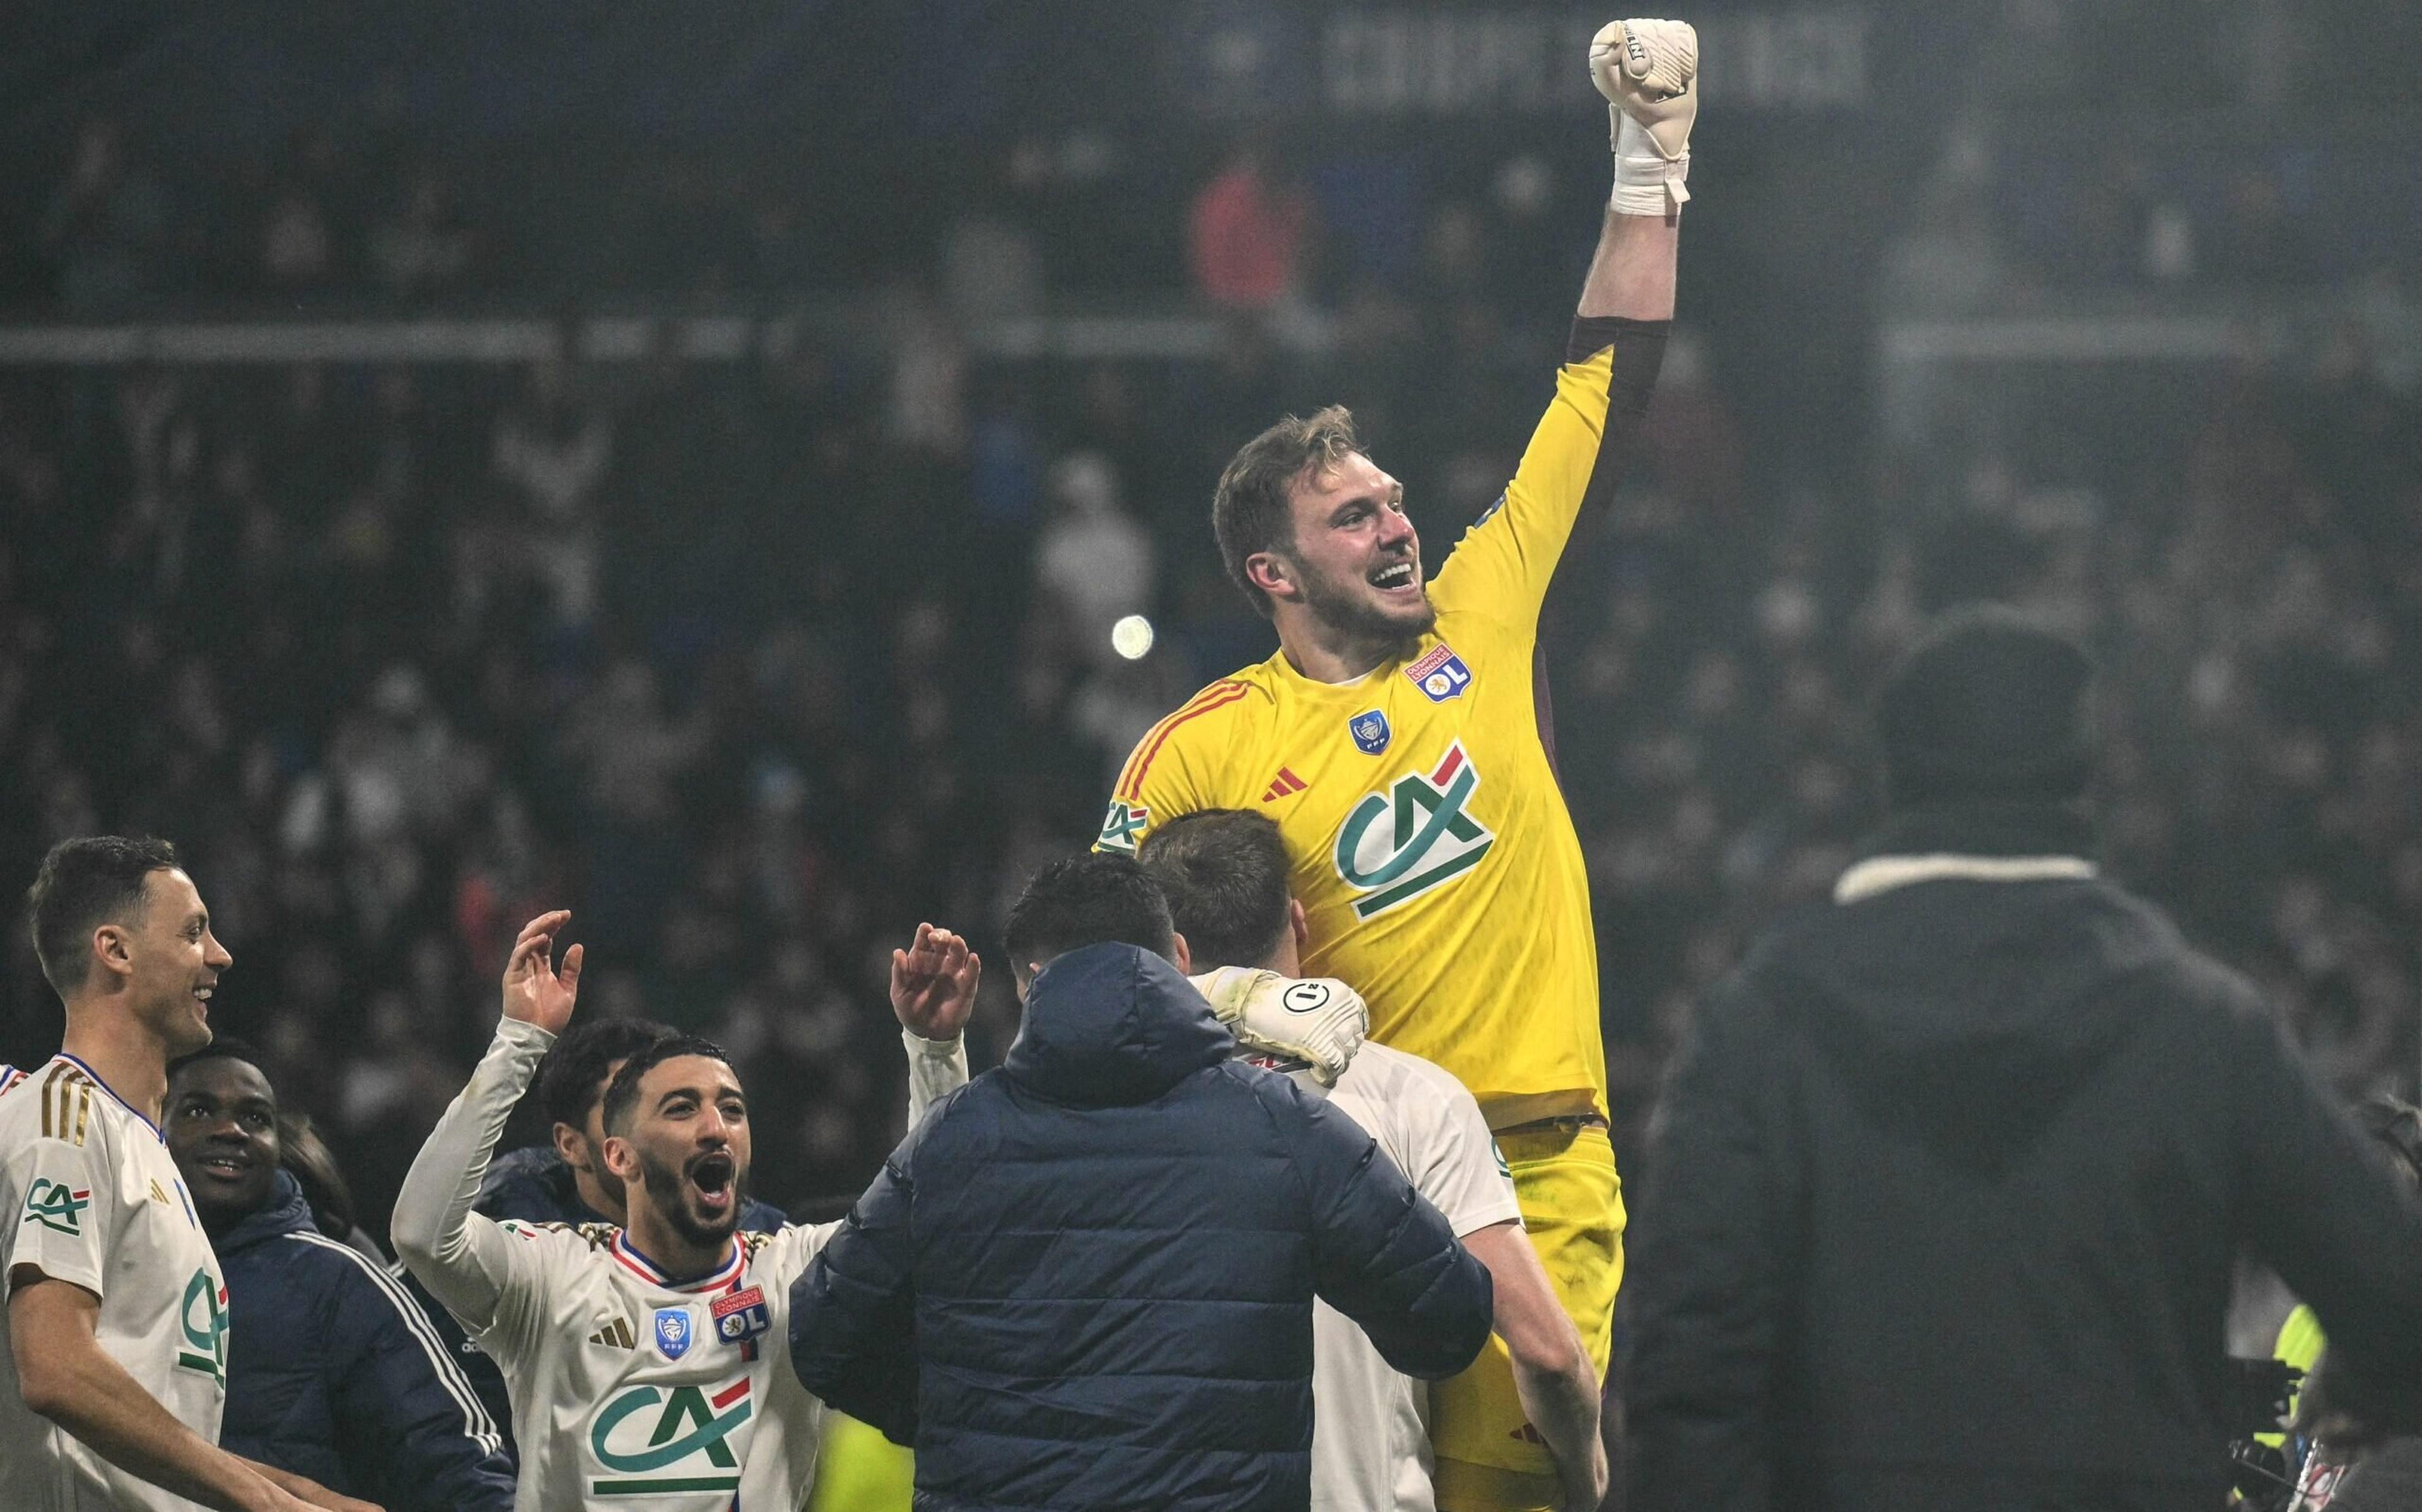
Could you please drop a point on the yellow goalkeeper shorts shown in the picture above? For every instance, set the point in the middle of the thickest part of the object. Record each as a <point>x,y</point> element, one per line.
<point>1489,1458</point>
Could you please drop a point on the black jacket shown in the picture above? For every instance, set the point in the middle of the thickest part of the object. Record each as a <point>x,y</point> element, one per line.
<point>334,1372</point>
<point>1943,1204</point>
<point>1103,1255</point>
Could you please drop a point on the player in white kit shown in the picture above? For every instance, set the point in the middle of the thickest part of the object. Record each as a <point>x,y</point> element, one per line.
<point>113,1370</point>
<point>1225,873</point>
<point>649,1365</point>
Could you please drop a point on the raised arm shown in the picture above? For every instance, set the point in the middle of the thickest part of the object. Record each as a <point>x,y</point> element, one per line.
<point>1649,70</point>
<point>464,1260</point>
<point>933,985</point>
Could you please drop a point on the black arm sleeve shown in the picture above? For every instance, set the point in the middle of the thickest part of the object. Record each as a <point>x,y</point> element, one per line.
<point>852,1311</point>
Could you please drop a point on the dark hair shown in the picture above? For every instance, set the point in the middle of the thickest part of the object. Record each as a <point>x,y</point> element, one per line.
<point>84,884</point>
<point>1090,899</point>
<point>1990,705</point>
<point>1224,871</point>
<point>303,1152</point>
<point>1249,509</point>
<point>622,1092</point>
<point>571,1077</point>
<point>222,1047</point>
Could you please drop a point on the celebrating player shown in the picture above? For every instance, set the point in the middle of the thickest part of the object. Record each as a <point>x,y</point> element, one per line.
<point>116,1378</point>
<point>1397,741</point>
<point>1225,874</point>
<point>646,1364</point>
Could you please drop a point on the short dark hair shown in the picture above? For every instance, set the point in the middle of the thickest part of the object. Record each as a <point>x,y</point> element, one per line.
<point>84,883</point>
<point>623,1093</point>
<point>571,1076</point>
<point>223,1046</point>
<point>1249,509</point>
<point>1095,899</point>
<point>1224,871</point>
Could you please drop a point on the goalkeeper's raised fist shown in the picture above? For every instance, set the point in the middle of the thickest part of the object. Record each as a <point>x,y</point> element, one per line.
<point>1316,1021</point>
<point>1649,72</point>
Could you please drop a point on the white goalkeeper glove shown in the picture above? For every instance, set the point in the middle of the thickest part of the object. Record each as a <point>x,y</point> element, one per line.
<point>1649,72</point>
<point>1316,1020</point>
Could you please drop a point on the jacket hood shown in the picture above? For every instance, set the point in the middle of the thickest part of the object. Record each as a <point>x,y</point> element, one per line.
<point>285,1212</point>
<point>1968,1011</point>
<point>1113,1025</point>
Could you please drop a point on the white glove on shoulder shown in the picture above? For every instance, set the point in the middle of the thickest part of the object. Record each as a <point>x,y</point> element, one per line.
<point>1649,72</point>
<point>1316,1020</point>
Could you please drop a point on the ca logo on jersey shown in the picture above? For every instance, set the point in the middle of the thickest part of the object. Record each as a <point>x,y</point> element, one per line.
<point>686,1446</point>
<point>204,1320</point>
<point>52,1205</point>
<point>1123,827</point>
<point>1419,834</point>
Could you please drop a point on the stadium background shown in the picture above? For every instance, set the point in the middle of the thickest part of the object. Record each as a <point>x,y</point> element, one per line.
<point>458,458</point>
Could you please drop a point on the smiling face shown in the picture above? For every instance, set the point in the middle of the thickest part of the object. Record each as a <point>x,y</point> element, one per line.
<point>222,1131</point>
<point>683,1149</point>
<point>1354,566</point>
<point>170,959</point>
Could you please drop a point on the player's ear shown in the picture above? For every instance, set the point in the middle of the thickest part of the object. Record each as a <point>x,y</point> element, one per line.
<point>1298,926</point>
<point>621,1159</point>
<point>1272,575</point>
<point>1180,954</point>
<point>113,945</point>
<point>573,1145</point>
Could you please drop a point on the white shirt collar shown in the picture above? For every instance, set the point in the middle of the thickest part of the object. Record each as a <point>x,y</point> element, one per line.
<point>1882,873</point>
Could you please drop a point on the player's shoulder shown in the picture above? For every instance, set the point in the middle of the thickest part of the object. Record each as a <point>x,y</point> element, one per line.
<point>1217,705</point>
<point>1408,1080</point>
<point>1205,723</point>
<point>60,1100</point>
<point>570,1239</point>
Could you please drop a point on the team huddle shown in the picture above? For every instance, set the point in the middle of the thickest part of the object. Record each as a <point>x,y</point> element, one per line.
<point>1296,1189</point>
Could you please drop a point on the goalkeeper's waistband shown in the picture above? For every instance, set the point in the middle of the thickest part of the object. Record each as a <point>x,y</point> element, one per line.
<point>1567,1124</point>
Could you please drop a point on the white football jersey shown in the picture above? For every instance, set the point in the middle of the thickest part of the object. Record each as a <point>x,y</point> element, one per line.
<point>90,1196</point>
<point>629,1390</point>
<point>1371,1437</point>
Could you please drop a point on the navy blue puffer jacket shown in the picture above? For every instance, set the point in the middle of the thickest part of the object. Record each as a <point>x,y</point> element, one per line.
<point>334,1372</point>
<point>1085,1280</point>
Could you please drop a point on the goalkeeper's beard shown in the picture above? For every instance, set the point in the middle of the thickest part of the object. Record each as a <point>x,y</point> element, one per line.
<point>1351,617</point>
<point>669,1188</point>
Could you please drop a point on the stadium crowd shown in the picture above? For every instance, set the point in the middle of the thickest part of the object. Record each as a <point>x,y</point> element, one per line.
<point>394,652</point>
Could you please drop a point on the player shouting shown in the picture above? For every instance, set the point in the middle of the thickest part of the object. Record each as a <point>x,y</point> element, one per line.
<point>647,1364</point>
<point>1396,739</point>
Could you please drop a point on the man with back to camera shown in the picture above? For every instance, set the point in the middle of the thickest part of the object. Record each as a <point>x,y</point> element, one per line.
<point>1949,1175</point>
<point>116,1375</point>
<point>1225,874</point>
<point>1399,741</point>
<point>646,1362</point>
<point>1085,1280</point>
<point>333,1371</point>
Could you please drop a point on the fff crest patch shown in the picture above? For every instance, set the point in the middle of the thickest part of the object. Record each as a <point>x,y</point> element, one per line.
<point>1370,731</point>
<point>740,1316</point>
<point>1440,675</point>
<point>674,1332</point>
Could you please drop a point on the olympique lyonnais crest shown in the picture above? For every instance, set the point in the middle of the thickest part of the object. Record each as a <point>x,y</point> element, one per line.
<point>1440,675</point>
<point>742,1316</point>
<point>674,1332</point>
<point>1370,731</point>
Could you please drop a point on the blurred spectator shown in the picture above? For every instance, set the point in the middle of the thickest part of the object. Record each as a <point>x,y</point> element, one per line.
<point>1246,235</point>
<point>107,225</point>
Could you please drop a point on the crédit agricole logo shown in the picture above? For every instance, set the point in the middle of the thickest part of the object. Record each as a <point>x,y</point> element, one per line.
<point>1416,834</point>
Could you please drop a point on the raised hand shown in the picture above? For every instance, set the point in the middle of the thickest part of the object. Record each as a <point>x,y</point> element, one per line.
<point>535,991</point>
<point>933,984</point>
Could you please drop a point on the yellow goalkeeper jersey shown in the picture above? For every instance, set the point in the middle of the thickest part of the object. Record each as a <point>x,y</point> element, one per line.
<point>1431,848</point>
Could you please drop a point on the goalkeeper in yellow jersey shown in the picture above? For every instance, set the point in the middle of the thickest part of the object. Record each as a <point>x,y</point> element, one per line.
<point>1397,741</point>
